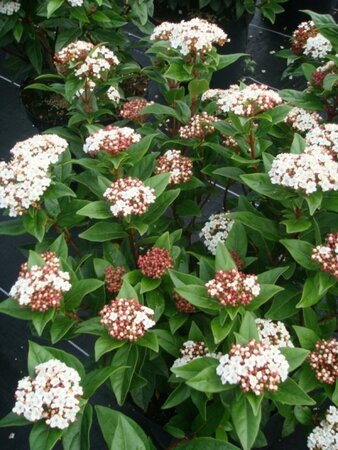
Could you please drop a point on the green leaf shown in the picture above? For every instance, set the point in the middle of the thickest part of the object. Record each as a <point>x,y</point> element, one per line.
<point>177,72</point>
<point>208,381</point>
<point>266,293</point>
<point>12,308</point>
<point>221,330</point>
<point>52,6</point>
<point>149,340</point>
<point>121,381</point>
<point>96,210</point>
<point>168,342</point>
<point>103,231</point>
<point>206,443</point>
<point>266,227</point>
<point>260,182</point>
<point>227,60</point>
<point>272,275</point>
<point>160,110</point>
<point>80,288</point>
<point>295,356</point>
<point>13,420</point>
<point>158,182</point>
<point>76,436</point>
<point>302,99</point>
<point>246,423</point>
<point>149,284</point>
<point>36,224</point>
<point>60,327</point>
<point>307,338</point>
<point>181,279</point>
<point>289,393</point>
<point>59,246</point>
<point>106,344</point>
<point>314,201</point>
<point>42,437</point>
<point>12,227</point>
<point>58,190</point>
<point>40,319</point>
<point>197,295</point>
<point>94,379</point>
<point>298,144</point>
<point>126,437</point>
<point>315,288</point>
<point>177,396</point>
<point>248,327</point>
<point>90,326</point>
<point>197,87</point>
<point>162,203</point>
<point>223,259</point>
<point>301,252</point>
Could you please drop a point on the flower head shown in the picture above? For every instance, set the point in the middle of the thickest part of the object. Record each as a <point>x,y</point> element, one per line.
<point>155,263</point>
<point>318,76</point>
<point>9,8</point>
<point>180,167</point>
<point>325,136</point>
<point>183,305</point>
<point>75,3</point>
<point>325,435</point>
<point>52,395</point>
<point>198,127</point>
<point>307,40</point>
<point>127,319</point>
<point>71,55</point>
<point>327,255</point>
<point>308,172</point>
<point>233,288</point>
<point>113,277</point>
<point>302,120</point>
<point>273,333</point>
<point>129,196</point>
<point>25,178</point>
<point>192,350</point>
<point>113,95</point>
<point>216,230</point>
<point>255,366</point>
<point>324,361</point>
<point>131,110</point>
<point>41,287</point>
<point>110,139</point>
<point>97,64</point>
<point>195,36</point>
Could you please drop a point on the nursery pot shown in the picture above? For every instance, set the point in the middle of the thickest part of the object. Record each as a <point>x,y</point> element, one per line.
<point>292,17</point>
<point>44,109</point>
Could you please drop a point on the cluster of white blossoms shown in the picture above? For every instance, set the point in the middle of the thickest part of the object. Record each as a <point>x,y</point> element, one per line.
<point>52,395</point>
<point>192,350</point>
<point>325,435</point>
<point>195,36</point>
<point>75,3</point>
<point>248,101</point>
<point>317,46</point>
<point>112,140</point>
<point>309,171</point>
<point>98,63</point>
<point>113,95</point>
<point>41,287</point>
<point>129,196</point>
<point>255,367</point>
<point>273,333</point>
<point>25,178</point>
<point>180,167</point>
<point>72,54</point>
<point>326,136</point>
<point>307,40</point>
<point>302,120</point>
<point>9,8</point>
<point>216,230</point>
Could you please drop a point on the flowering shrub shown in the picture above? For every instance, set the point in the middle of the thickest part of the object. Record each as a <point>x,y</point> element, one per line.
<point>223,313</point>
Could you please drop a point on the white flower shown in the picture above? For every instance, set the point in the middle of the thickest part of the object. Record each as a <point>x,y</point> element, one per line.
<point>113,95</point>
<point>317,46</point>
<point>325,435</point>
<point>302,120</point>
<point>216,230</point>
<point>9,8</point>
<point>75,3</point>
<point>273,333</point>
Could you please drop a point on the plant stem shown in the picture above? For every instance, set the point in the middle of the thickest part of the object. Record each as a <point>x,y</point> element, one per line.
<point>133,246</point>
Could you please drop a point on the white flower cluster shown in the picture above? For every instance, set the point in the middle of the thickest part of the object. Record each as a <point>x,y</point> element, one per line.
<point>75,3</point>
<point>9,8</point>
<point>248,101</point>
<point>25,178</point>
<point>309,171</point>
<point>317,46</point>
<point>255,366</point>
<point>326,136</point>
<point>113,95</point>
<point>325,435</point>
<point>273,333</point>
<point>52,395</point>
<point>195,36</point>
<point>111,139</point>
<point>302,120</point>
<point>216,230</point>
<point>99,61</point>
<point>192,350</point>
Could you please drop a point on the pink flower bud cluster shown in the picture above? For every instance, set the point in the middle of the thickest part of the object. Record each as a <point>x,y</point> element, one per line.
<point>306,40</point>
<point>9,8</point>
<point>155,263</point>
<point>308,172</point>
<point>52,395</point>
<point>327,255</point>
<point>41,287</point>
<point>321,72</point>
<point>229,141</point>
<point>111,139</point>
<point>195,36</point>
<point>325,435</point>
<point>324,361</point>
<point>198,127</point>
<point>255,366</point>
<point>25,178</point>
<point>129,196</point>
<point>183,305</point>
<point>237,259</point>
<point>180,167</point>
<point>302,120</point>
<point>325,136</point>
<point>273,333</point>
<point>192,350</point>
<point>248,101</point>
<point>132,109</point>
<point>70,56</point>
<point>113,277</point>
<point>233,288</point>
<point>216,230</point>
<point>127,319</point>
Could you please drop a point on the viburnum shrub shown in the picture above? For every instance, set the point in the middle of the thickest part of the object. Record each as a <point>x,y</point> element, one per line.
<point>197,244</point>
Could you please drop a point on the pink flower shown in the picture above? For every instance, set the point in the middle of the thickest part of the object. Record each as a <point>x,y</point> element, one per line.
<point>155,262</point>
<point>114,278</point>
<point>179,167</point>
<point>327,255</point>
<point>183,305</point>
<point>324,361</point>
